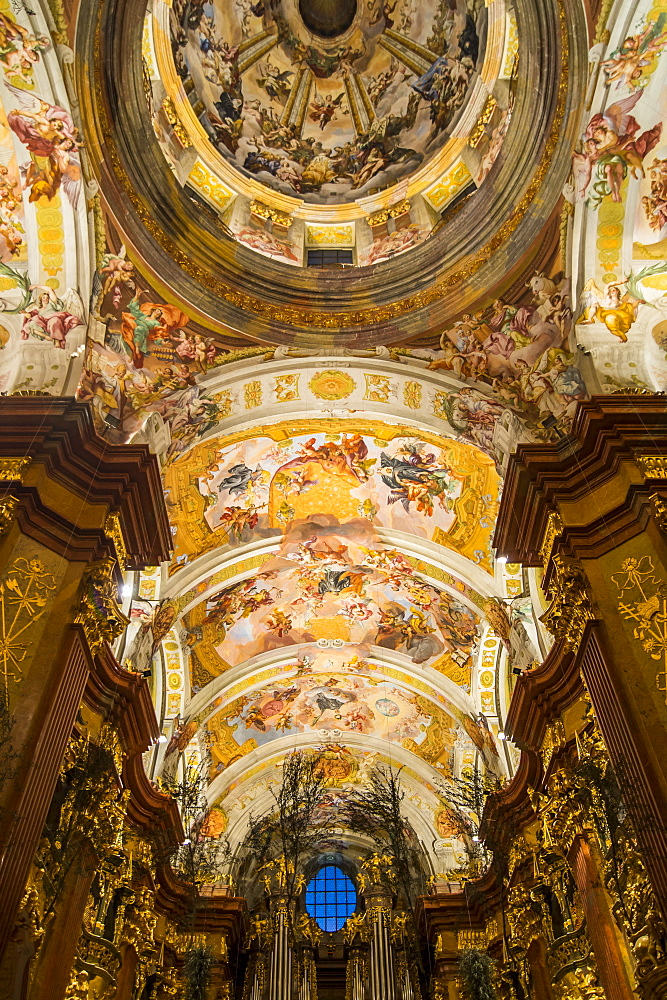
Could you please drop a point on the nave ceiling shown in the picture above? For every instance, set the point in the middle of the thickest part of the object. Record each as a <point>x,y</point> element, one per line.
<point>332,442</point>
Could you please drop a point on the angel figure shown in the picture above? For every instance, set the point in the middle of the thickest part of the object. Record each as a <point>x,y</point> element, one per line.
<point>626,65</point>
<point>276,84</point>
<point>119,273</point>
<point>50,136</point>
<point>51,318</point>
<point>322,110</point>
<point>617,311</point>
<point>144,324</point>
<point>612,146</point>
<point>19,50</point>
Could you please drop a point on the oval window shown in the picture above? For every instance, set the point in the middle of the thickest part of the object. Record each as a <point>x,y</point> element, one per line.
<point>331,898</point>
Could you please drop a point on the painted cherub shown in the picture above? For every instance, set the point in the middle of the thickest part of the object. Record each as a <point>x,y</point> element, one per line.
<point>626,65</point>
<point>611,147</point>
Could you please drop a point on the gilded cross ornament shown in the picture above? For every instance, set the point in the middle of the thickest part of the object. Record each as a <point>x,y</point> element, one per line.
<point>643,600</point>
<point>24,593</point>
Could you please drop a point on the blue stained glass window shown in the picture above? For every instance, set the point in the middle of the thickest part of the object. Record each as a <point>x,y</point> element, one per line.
<point>330,898</point>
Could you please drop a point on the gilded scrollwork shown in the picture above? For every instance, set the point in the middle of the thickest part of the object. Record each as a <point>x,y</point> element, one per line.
<point>554,529</point>
<point>99,613</point>
<point>8,507</point>
<point>570,609</point>
<point>14,469</point>
<point>659,508</point>
<point>653,466</point>
<point>114,530</point>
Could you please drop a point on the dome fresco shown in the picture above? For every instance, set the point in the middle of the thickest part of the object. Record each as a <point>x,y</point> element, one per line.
<point>342,125</point>
<point>333,114</point>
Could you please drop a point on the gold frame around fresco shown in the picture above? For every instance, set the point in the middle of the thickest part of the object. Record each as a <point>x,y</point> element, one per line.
<point>479,478</point>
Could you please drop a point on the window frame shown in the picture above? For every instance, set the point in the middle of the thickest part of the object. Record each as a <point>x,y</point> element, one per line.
<point>342,901</point>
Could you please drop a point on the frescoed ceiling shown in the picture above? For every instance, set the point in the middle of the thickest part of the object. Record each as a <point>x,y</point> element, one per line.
<point>333,442</point>
<point>402,142</point>
<point>332,583</point>
<point>617,203</point>
<point>351,110</point>
<point>46,264</point>
<point>254,487</point>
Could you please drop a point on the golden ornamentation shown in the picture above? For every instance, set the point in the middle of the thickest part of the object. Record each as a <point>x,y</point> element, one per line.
<point>653,466</point>
<point>77,988</point>
<point>252,394</point>
<point>99,613</point>
<point>259,930</point>
<point>449,185</point>
<point>412,395</point>
<point>471,939</point>
<point>658,504</point>
<point>394,212</point>
<point>30,915</point>
<point>477,133</point>
<point>554,528</point>
<point>524,918</point>
<point>602,32</point>
<point>169,984</point>
<point>24,592</point>
<point>378,388</point>
<point>554,739</point>
<point>355,925</point>
<point>210,186</point>
<point>176,123</point>
<point>341,235</point>
<point>180,941</point>
<point>278,877</point>
<point>377,871</point>
<point>115,532</point>
<point>331,384</point>
<point>512,45</point>
<point>14,469</point>
<point>282,219</point>
<point>138,925</point>
<point>307,930</point>
<point>649,612</point>
<point>519,853</point>
<point>562,812</point>
<point>580,983</point>
<point>266,353</point>
<point>8,507</point>
<point>286,388</point>
<point>99,954</point>
<point>570,608</point>
<point>632,390</point>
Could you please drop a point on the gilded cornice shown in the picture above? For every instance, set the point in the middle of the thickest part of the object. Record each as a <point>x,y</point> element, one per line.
<point>607,442</point>
<point>53,440</point>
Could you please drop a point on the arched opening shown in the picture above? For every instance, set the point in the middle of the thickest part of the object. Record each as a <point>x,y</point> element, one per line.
<point>331,898</point>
